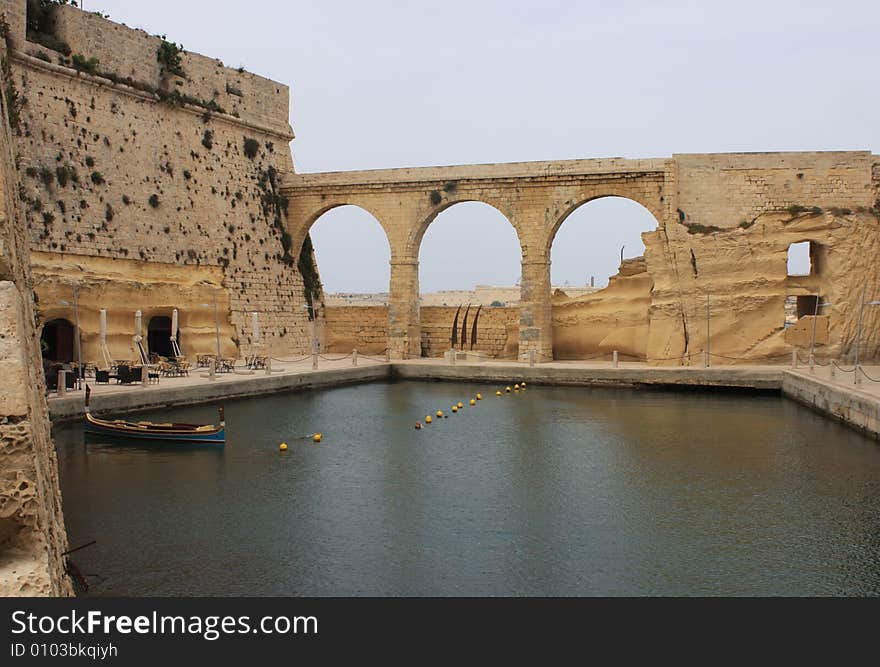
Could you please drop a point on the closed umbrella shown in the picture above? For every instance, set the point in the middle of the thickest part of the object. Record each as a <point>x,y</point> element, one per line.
<point>174,345</point>
<point>105,353</point>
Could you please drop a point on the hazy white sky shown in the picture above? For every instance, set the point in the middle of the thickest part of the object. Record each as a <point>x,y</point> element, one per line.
<point>386,84</point>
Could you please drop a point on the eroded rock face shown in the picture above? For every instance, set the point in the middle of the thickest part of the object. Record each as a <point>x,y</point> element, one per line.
<point>655,308</point>
<point>32,534</point>
<point>615,318</point>
<point>743,271</point>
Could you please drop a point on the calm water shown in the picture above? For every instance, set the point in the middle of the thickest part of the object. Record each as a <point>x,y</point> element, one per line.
<point>557,491</point>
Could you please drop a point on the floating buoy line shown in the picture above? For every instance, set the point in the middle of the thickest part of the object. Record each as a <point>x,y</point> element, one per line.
<point>472,402</point>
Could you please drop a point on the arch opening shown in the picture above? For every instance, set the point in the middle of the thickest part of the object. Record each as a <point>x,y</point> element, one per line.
<point>159,336</point>
<point>600,285</point>
<point>345,262</point>
<point>469,254</point>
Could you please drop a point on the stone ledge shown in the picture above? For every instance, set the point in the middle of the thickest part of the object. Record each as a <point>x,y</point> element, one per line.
<point>854,407</point>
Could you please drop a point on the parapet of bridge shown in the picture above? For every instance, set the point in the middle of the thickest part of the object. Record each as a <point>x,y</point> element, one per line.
<point>694,191</point>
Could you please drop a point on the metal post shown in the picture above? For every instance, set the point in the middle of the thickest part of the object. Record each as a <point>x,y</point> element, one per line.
<point>532,357</point>
<point>813,336</point>
<point>212,370</point>
<point>79,361</point>
<point>268,365</point>
<point>831,368</point>
<point>859,335</point>
<point>216,323</point>
<point>387,354</point>
<point>452,356</point>
<point>314,331</point>
<point>145,375</point>
<point>614,359</point>
<point>794,359</point>
<point>314,361</point>
<point>62,382</point>
<point>707,331</point>
<point>354,357</point>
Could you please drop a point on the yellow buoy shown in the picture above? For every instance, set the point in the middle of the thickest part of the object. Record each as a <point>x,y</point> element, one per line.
<point>283,446</point>
<point>479,397</point>
<point>455,408</point>
<point>473,402</point>
<point>428,419</point>
<point>522,384</point>
<point>507,389</point>
<point>317,437</point>
<point>460,405</point>
<point>439,413</point>
<point>418,425</point>
<point>498,393</point>
<point>516,387</point>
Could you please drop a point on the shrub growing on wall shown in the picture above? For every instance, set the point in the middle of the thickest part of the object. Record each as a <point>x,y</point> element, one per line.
<point>169,55</point>
<point>251,147</point>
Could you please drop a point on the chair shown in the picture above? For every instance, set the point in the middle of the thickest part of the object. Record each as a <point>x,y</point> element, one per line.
<point>123,374</point>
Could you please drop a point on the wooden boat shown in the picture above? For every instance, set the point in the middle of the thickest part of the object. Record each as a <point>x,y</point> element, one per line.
<point>207,434</point>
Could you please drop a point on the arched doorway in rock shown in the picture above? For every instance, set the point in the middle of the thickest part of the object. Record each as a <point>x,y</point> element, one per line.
<point>159,336</point>
<point>57,341</point>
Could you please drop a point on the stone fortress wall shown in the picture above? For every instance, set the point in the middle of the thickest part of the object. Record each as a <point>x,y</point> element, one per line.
<point>152,191</point>
<point>365,328</point>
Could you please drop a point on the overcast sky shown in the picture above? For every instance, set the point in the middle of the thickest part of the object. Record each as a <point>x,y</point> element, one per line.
<point>389,84</point>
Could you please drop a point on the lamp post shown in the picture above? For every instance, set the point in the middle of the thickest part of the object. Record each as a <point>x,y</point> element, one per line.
<point>621,253</point>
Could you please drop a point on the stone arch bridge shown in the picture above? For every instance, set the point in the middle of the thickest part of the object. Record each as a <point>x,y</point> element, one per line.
<point>717,190</point>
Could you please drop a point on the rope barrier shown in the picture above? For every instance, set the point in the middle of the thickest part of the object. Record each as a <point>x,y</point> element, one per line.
<point>321,356</point>
<point>371,358</point>
<point>291,361</point>
<point>842,370</point>
<point>863,372</point>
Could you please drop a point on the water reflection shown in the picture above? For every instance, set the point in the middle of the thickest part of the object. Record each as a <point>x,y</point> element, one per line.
<point>555,491</point>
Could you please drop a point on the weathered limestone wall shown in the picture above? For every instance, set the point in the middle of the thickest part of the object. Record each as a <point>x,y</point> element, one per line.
<point>744,273</point>
<point>32,534</point>
<point>726,189</point>
<point>366,329</point>
<point>111,171</point>
<point>614,318</point>
<point>110,284</point>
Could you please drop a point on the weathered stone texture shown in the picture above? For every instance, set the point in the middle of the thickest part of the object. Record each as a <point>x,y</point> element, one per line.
<point>32,534</point>
<point>365,328</point>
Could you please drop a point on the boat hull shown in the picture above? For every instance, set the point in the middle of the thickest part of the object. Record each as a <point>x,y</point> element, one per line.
<point>144,432</point>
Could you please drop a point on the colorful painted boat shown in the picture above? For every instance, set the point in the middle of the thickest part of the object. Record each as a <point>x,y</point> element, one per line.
<point>207,434</point>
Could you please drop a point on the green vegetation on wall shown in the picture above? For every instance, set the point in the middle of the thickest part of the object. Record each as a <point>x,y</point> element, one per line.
<point>309,272</point>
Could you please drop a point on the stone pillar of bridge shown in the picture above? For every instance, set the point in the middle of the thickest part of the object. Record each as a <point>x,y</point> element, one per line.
<point>404,330</point>
<point>536,315</point>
